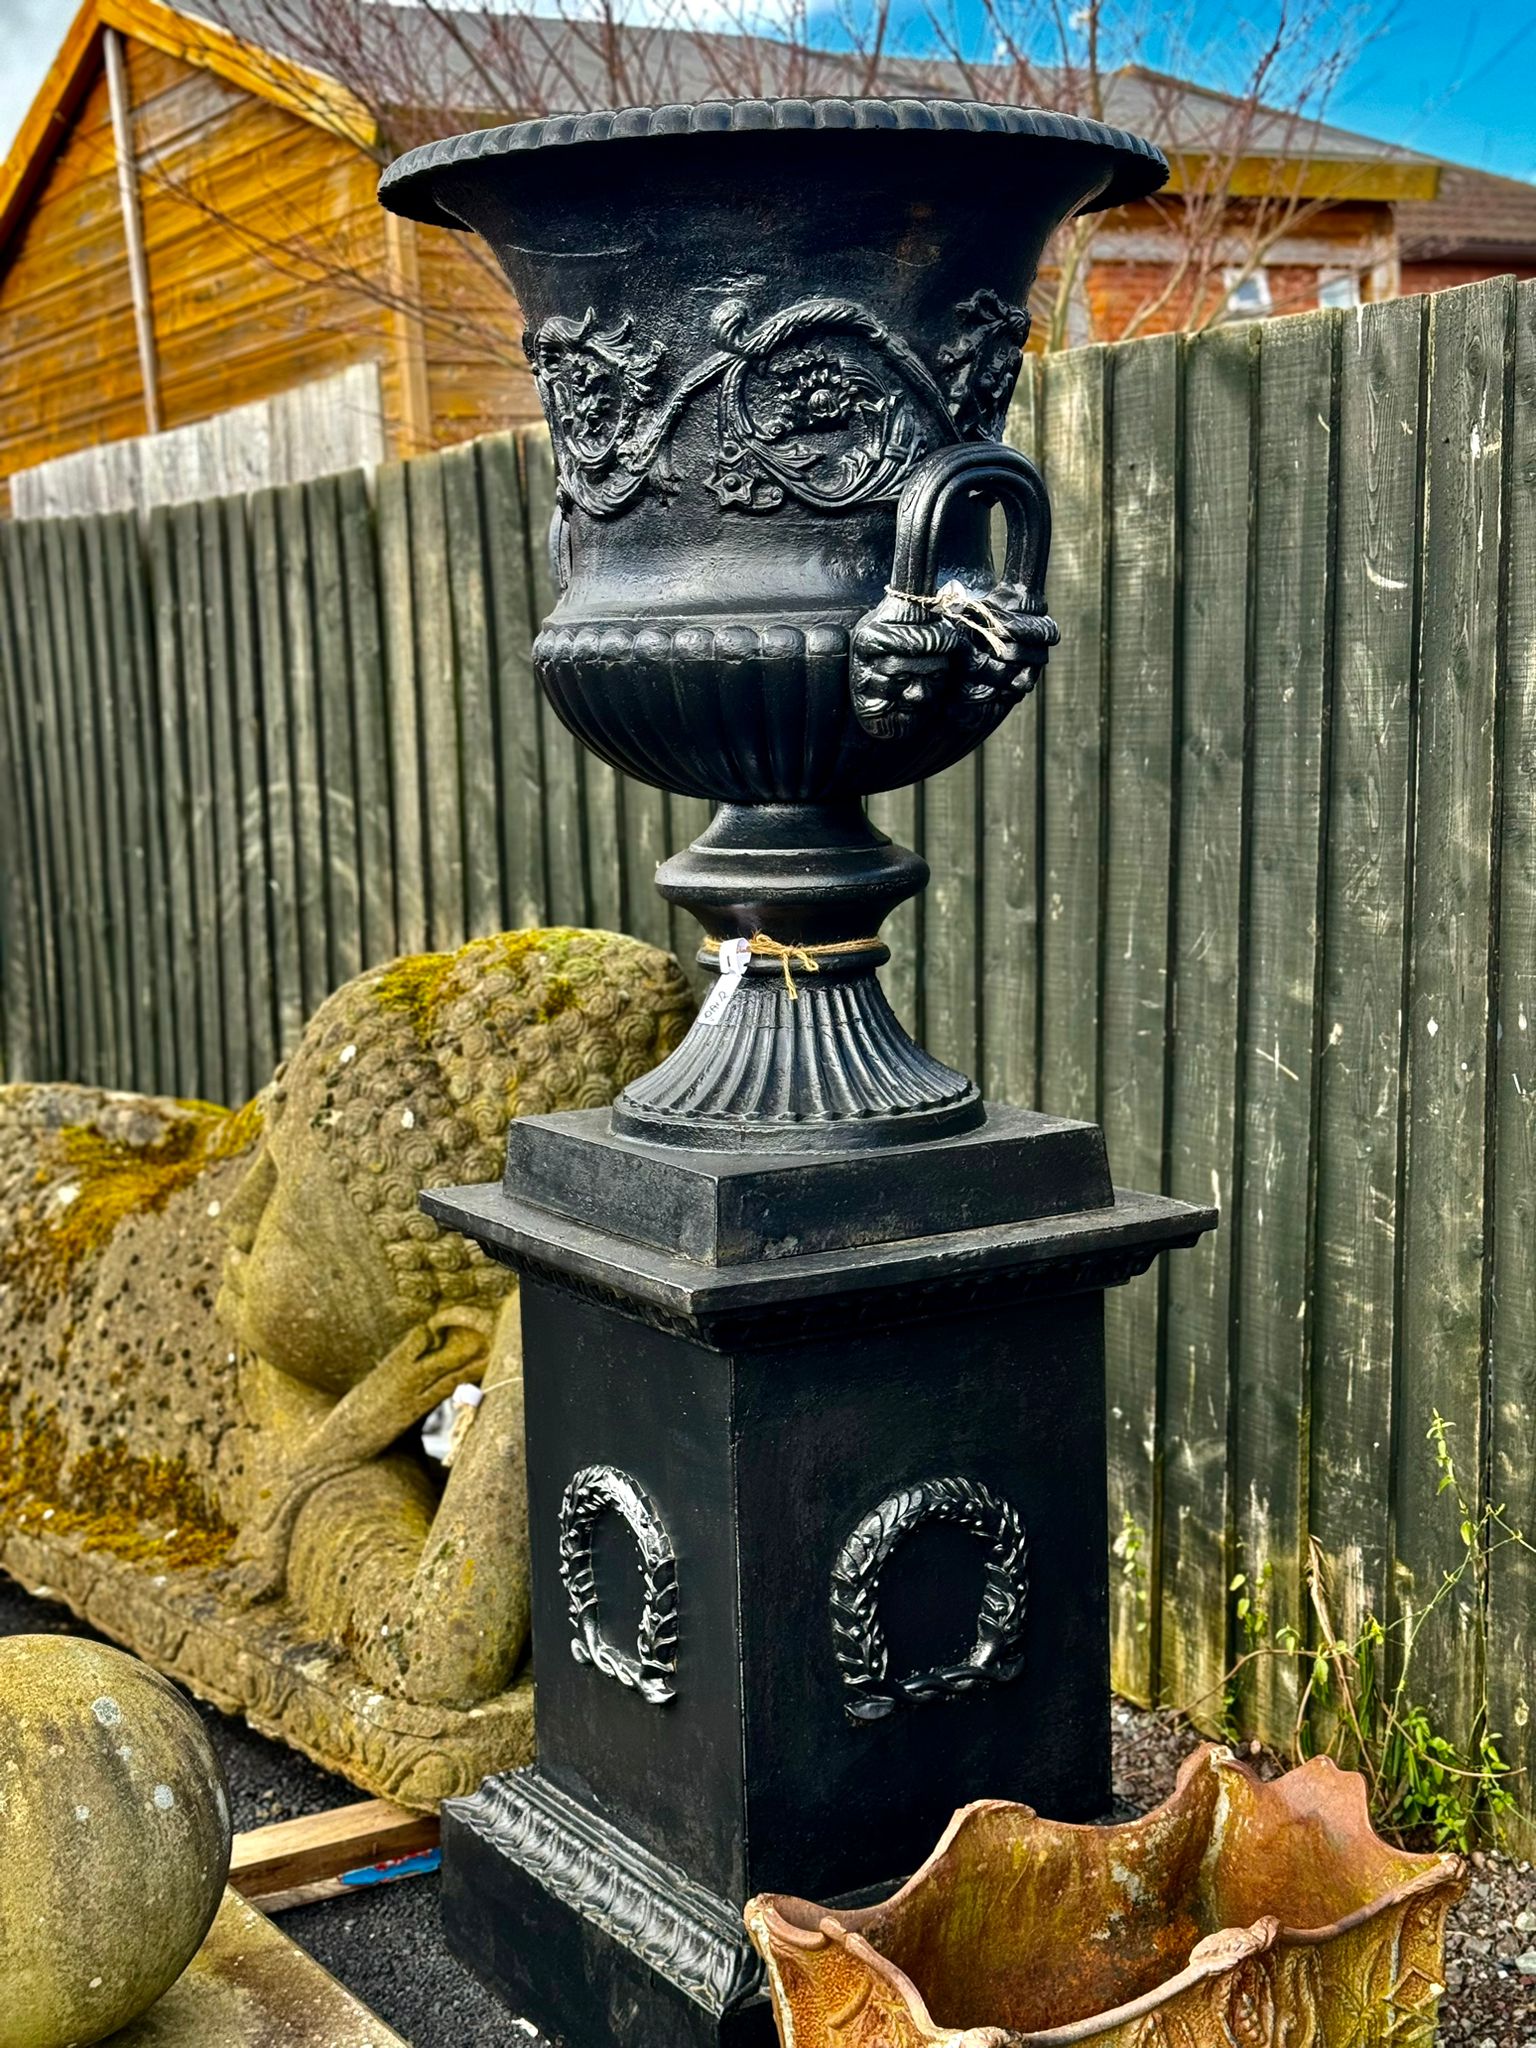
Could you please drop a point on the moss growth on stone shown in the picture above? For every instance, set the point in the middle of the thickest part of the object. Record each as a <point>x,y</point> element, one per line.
<point>144,1509</point>
<point>89,1182</point>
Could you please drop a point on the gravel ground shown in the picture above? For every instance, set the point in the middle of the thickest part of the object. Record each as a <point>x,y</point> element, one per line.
<point>387,1946</point>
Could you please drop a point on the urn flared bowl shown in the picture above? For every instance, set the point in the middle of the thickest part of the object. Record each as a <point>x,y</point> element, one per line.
<point>761,329</point>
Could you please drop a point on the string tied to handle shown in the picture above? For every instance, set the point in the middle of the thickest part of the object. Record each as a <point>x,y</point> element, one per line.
<point>992,621</point>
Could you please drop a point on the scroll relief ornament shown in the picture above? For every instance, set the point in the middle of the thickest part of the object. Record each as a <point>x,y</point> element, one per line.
<point>858,1638</point>
<point>650,1670</point>
<point>819,403</point>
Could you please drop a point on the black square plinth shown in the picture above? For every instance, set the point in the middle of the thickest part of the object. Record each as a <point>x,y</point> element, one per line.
<point>819,1541</point>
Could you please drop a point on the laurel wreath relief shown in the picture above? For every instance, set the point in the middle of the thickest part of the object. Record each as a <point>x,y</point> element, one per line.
<point>858,1638</point>
<point>594,1491</point>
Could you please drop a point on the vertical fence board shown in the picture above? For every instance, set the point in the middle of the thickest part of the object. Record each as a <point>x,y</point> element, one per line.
<point>370,718</point>
<point>1512,1332</point>
<point>105,773</point>
<point>898,813</point>
<point>437,702</point>
<point>564,837</point>
<point>248,841</point>
<point>336,756</point>
<point>1287,778</point>
<point>1073,456</point>
<point>25,1052</point>
<point>224,930</point>
<point>177,875</point>
<point>277,752</point>
<point>392,496</point>
<point>1143,662</point>
<point>951,832</point>
<point>81,678</point>
<point>1369,809</point>
<point>476,680</point>
<point>132,607</point>
<point>303,690</point>
<point>1217,513</point>
<point>520,782</point>
<point>197,686</point>
<point>1008,926</point>
<point>27,712</point>
<point>60,679</point>
<point>1444,1222</point>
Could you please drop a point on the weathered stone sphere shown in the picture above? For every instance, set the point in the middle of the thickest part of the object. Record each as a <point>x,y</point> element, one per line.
<point>114,1839</point>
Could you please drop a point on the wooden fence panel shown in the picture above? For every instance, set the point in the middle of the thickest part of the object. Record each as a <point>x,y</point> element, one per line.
<point>1139,826</point>
<point>1251,880</point>
<point>1287,774</point>
<point>1071,710</point>
<point>1450,1015</point>
<point>1370,811</point>
<point>1216,520</point>
<point>1512,1325</point>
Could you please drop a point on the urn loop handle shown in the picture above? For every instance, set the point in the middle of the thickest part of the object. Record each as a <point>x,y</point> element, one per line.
<point>923,637</point>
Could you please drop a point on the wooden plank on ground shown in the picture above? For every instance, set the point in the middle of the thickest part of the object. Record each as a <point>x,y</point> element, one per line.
<point>1138,842</point>
<point>1071,710</point>
<point>438,707</point>
<point>1282,971</point>
<point>1008,931</point>
<point>1370,809</point>
<point>268,1864</point>
<point>519,744</point>
<point>1512,1328</point>
<point>370,718</point>
<point>1445,1226</point>
<point>568,901</point>
<point>1213,707</point>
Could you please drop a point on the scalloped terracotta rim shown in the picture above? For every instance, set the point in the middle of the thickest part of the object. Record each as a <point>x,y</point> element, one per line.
<point>1265,1933</point>
<point>1140,166</point>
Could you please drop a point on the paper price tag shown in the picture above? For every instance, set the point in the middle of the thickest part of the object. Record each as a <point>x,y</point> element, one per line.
<point>734,957</point>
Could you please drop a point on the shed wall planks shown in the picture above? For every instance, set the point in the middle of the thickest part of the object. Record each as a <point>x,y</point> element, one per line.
<point>1252,879</point>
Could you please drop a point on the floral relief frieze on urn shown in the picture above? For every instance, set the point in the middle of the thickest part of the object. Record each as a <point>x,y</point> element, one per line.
<point>775,342</point>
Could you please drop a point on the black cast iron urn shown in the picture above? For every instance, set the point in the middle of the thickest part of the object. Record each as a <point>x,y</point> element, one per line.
<point>812,1335</point>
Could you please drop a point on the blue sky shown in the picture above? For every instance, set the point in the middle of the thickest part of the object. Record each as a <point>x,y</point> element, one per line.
<point>1454,80</point>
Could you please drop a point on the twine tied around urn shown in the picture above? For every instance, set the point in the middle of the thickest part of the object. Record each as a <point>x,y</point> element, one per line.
<point>807,958</point>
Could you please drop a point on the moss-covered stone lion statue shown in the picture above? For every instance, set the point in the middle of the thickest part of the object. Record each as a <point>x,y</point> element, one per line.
<point>222,1332</point>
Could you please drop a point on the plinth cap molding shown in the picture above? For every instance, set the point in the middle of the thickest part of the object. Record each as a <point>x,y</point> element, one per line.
<point>1139,166</point>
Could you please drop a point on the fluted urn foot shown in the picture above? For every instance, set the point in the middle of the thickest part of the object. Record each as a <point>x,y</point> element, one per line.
<point>800,1051</point>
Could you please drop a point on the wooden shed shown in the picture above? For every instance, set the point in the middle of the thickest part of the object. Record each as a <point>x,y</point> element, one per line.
<point>188,226</point>
<point>188,223</point>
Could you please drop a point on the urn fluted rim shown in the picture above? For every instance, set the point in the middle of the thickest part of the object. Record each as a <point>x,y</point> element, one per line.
<point>1138,167</point>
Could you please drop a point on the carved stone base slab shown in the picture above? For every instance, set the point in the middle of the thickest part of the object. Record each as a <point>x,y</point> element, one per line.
<point>576,1925</point>
<point>255,1664</point>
